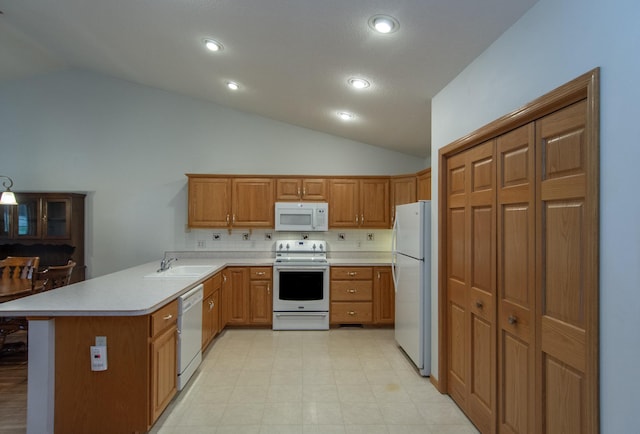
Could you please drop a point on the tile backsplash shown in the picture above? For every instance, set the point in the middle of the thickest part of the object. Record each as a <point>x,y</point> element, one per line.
<point>369,240</point>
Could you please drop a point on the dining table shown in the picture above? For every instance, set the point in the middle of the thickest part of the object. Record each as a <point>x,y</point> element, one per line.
<point>11,288</point>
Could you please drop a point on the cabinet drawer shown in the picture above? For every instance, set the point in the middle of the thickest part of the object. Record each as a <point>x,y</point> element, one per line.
<point>359,312</point>
<point>352,273</point>
<point>260,273</point>
<point>351,290</point>
<point>164,317</point>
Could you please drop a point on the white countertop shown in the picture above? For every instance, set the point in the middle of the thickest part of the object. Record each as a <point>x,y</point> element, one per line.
<point>129,293</point>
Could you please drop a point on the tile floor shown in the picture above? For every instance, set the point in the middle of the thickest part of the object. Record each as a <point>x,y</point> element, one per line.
<point>343,381</point>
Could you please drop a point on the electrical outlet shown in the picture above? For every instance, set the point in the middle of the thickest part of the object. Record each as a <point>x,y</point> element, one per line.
<point>202,244</point>
<point>267,236</point>
<point>245,236</point>
<point>370,236</point>
<point>341,237</point>
<point>216,236</point>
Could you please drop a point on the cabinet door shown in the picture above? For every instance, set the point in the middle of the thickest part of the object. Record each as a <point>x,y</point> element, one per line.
<point>207,320</point>
<point>383,296</point>
<point>56,217</point>
<point>164,370</point>
<point>288,189</point>
<point>7,217</point>
<point>424,185</point>
<point>215,314</point>
<point>28,223</point>
<point>238,292</point>
<point>374,203</point>
<point>261,302</point>
<point>344,210</point>
<point>253,202</point>
<point>209,202</point>
<point>314,189</point>
<point>403,190</point>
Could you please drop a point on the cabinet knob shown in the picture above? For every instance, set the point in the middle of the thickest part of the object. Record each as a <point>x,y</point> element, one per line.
<point>479,304</point>
<point>512,319</point>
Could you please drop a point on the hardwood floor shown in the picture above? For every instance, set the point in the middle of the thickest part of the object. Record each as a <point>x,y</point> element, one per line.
<point>13,390</point>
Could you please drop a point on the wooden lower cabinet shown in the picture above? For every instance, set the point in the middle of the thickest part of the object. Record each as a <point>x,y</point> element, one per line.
<point>261,297</point>
<point>351,291</point>
<point>384,296</point>
<point>211,309</point>
<point>247,296</point>
<point>140,381</point>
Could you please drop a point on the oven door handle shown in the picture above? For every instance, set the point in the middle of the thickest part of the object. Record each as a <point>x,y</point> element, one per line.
<point>302,314</point>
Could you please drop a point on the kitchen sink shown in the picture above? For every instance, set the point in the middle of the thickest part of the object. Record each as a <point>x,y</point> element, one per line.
<point>182,272</point>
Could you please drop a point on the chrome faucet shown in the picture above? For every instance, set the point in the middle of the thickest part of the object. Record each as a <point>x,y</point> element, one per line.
<point>165,264</point>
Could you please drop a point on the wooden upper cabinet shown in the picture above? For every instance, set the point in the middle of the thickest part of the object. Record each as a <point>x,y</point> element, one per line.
<point>301,189</point>
<point>344,204</point>
<point>216,202</point>
<point>209,202</point>
<point>403,190</point>
<point>374,203</point>
<point>252,202</point>
<point>424,184</point>
<point>359,202</point>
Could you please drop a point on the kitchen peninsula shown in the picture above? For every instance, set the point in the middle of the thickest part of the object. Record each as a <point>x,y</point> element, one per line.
<point>130,308</point>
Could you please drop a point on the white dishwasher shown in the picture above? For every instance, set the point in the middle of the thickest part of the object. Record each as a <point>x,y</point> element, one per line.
<point>189,334</point>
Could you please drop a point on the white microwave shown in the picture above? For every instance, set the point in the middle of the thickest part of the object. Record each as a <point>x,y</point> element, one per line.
<point>302,216</point>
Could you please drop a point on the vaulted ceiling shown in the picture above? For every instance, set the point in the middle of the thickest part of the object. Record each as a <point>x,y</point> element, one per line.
<point>292,59</point>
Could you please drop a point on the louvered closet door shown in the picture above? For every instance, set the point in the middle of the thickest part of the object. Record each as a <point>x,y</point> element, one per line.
<point>471,283</point>
<point>567,227</point>
<point>516,280</point>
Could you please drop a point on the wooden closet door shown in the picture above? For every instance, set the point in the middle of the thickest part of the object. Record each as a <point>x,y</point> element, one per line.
<point>567,225</point>
<point>471,283</point>
<point>516,280</point>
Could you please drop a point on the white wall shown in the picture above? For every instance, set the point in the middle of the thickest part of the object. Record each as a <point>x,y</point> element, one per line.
<point>556,41</point>
<point>129,146</point>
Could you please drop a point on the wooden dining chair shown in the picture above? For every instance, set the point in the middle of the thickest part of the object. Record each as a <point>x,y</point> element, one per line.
<point>55,276</point>
<point>19,267</point>
<point>16,267</point>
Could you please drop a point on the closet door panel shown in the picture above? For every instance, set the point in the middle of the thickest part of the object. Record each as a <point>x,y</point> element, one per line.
<point>567,299</point>
<point>516,280</point>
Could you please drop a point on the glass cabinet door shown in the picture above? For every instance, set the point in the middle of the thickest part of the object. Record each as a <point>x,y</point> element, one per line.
<point>6,217</point>
<point>28,217</point>
<point>57,218</point>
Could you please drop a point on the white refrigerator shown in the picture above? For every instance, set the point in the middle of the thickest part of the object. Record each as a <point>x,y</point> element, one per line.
<point>411,266</point>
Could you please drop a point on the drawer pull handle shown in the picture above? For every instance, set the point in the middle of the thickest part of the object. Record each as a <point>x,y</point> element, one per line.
<point>353,273</point>
<point>168,317</point>
<point>260,273</point>
<point>352,291</point>
<point>479,304</point>
<point>512,319</point>
<point>352,313</point>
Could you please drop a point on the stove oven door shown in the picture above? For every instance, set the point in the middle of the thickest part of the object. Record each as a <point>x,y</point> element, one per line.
<point>301,288</point>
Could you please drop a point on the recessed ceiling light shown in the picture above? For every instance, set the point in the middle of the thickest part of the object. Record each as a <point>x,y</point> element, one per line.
<point>384,24</point>
<point>233,85</point>
<point>346,116</point>
<point>358,83</point>
<point>213,45</point>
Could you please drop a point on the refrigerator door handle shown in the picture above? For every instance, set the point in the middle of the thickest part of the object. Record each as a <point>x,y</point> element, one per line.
<point>394,254</point>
